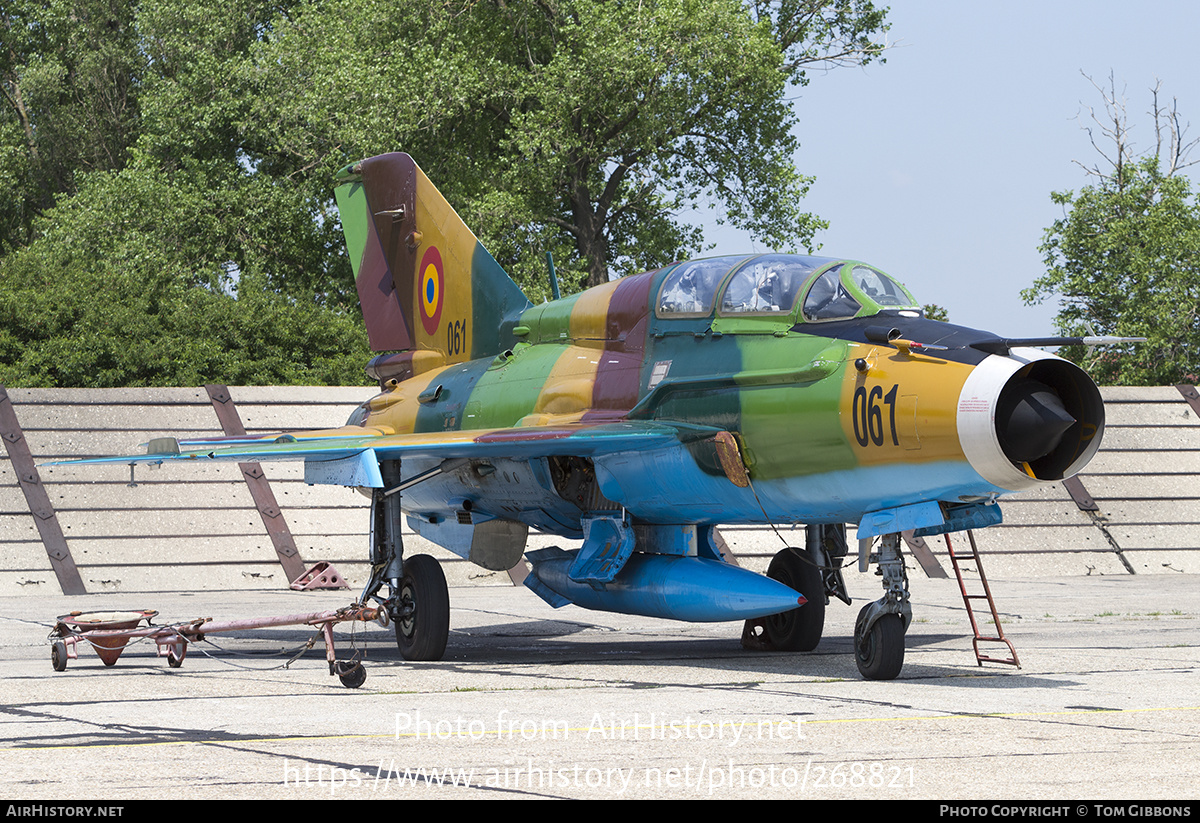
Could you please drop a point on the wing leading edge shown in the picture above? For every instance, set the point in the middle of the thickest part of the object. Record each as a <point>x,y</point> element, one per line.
<point>350,455</point>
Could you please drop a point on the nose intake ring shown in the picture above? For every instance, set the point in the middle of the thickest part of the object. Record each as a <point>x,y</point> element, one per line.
<point>1029,418</point>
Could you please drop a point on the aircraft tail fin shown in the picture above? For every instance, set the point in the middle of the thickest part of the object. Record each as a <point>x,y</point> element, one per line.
<point>425,282</point>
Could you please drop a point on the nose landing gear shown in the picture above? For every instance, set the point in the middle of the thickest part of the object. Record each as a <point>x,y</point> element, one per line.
<point>879,630</point>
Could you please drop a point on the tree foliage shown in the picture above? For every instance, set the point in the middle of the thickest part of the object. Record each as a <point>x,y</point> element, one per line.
<point>933,311</point>
<point>1125,256</point>
<point>68,101</point>
<point>582,127</point>
<point>175,262</point>
<point>139,281</point>
<point>171,162</point>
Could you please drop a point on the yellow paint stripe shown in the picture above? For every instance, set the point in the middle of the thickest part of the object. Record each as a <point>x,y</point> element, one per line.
<point>402,405</point>
<point>475,734</point>
<point>589,317</point>
<point>569,386</point>
<point>922,411</point>
<point>1002,715</point>
<point>441,226</point>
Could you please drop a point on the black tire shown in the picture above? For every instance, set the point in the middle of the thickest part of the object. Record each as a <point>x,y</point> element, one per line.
<point>879,653</point>
<point>351,673</point>
<point>174,659</point>
<point>58,656</point>
<point>423,623</point>
<point>800,629</point>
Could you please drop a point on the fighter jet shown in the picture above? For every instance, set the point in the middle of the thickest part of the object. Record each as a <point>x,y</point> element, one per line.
<point>640,415</point>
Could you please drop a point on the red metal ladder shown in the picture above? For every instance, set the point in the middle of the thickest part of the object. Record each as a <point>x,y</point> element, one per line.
<point>987,595</point>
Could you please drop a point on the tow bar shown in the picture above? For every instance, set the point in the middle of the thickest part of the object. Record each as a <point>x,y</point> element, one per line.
<point>109,632</point>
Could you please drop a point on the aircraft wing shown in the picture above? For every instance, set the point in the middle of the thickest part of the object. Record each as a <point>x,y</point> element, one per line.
<point>350,455</point>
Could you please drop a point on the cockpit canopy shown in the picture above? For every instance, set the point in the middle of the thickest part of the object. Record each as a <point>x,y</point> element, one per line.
<point>815,289</point>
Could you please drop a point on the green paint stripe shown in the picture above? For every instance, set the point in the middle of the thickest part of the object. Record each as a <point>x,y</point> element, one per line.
<point>505,394</point>
<point>352,209</point>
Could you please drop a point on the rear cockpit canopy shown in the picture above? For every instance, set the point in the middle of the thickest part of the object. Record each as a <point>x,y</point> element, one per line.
<point>689,287</point>
<point>810,289</point>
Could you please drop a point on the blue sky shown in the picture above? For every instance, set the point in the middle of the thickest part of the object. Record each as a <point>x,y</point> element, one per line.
<point>938,165</point>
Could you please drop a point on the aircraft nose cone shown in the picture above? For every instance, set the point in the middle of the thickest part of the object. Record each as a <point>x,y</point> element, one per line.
<point>1030,420</point>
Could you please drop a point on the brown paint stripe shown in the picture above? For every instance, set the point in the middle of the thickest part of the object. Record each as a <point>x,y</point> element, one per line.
<point>619,372</point>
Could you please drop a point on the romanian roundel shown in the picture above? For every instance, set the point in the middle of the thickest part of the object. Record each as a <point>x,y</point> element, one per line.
<point>432,289</point>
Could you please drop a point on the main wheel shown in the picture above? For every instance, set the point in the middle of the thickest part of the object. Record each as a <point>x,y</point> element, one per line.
<point>800,629</point>
<point>423,616</point>
<point>58,656</point>
<point>879,653</point>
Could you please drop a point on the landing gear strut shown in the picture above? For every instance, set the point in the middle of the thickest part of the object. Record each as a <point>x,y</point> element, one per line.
<point>418,600</point>
<point>879,630</point>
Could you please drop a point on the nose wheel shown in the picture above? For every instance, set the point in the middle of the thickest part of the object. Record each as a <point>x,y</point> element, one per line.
<point>879,647</point>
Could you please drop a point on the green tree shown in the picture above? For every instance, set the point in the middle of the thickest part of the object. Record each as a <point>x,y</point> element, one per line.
<point>935,312</point>
<point>171,162</point>
<point>583,127</point>
<point>139,280</point>
<point>1125,256</point>
<point>68,101</point>
<point>181,263</point>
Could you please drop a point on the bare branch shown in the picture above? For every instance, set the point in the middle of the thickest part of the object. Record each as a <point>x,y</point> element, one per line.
<point>1110,135</point>
<point>1113,129</point>
<point>1168,120</point>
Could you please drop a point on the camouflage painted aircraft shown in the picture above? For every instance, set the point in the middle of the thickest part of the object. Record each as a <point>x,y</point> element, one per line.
<point>640,415</point>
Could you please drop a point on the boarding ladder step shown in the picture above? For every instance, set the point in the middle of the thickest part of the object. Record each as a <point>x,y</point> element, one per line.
<point>973,555</point>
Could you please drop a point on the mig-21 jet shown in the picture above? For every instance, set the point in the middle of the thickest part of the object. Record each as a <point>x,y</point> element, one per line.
<point>640,415</point>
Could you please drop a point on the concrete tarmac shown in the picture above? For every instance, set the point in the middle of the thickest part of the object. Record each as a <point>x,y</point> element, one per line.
<point>531,702</point>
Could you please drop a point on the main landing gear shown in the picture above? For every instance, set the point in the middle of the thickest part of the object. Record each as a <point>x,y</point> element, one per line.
<point>422,614</point>
<point>815,572</point>
<point>418,600</point>
<point>800,629</point>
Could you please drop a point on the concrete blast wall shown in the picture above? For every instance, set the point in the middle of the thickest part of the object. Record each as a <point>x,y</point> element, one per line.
<point>183,528</point>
